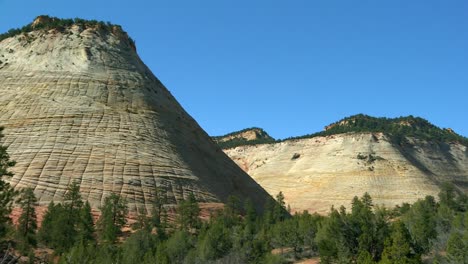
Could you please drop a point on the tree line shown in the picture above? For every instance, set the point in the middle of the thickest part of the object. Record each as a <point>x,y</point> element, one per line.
<point>434,230</point>
<point>398,129</point>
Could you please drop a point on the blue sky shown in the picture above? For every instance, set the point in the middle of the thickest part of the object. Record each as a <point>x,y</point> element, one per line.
<point>292,67</point>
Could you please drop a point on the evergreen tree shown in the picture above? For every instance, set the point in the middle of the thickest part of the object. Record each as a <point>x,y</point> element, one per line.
<point>447,195</point>
<point>398,246</point>
<point>307,229</point>
<point>86,224</point>
<point>44,233</point>
<point>330,237</point>
<point>457,249</point>
<point>188,212</point>
<point>72,201</point>
<point>136,247</point>
<point>215,242</point>
<point>65,220</point>
<point>250,213</point>
<point>143,222</point>
<point>364,257</point>
<point>27,223</point>
<point>176,247</point>
<point>55,231</point>
<point>421,223</point>
<point>113,218</point>
<point>160,199</point>
<point>7,193</point>
<point>233,206</point>
<point>279,211</point>
<point>80,253</point>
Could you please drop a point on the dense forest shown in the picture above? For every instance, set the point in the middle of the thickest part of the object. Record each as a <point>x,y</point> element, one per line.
<point>61,24</point>
<point>429,231</point>
<point>398,129</point>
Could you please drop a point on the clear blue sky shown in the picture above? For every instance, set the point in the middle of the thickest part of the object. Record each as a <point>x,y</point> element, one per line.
<point>292,67</point>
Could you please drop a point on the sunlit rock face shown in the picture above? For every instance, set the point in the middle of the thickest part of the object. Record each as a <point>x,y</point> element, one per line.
<point>316,173</point>
<point>78,104</point>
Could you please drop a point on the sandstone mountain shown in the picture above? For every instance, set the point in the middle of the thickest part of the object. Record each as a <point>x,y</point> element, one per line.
<point>248,136</point>
<point>395,160</point>
<point>78,104</point>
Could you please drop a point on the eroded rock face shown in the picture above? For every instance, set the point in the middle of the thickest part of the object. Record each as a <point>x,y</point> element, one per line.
<point>319,172</point>
<point>79,105</point>
<point>248,135</point>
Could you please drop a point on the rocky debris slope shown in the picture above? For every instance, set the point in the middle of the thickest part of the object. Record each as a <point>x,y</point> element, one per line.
<point>316,173</point>
<point>78,104</point>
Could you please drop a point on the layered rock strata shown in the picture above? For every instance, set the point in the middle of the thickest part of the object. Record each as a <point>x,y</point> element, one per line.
<point>316,173</point>
<point>78,104</point>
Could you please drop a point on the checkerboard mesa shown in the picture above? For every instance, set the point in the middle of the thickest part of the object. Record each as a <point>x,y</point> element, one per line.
<point>78,104</point>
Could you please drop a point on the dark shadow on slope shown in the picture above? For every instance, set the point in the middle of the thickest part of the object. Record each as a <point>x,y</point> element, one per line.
<point>216,172</point>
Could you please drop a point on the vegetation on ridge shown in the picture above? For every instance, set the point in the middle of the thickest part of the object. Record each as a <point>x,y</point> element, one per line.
<point>398,129</point>
<point>60,24</point>
<point>238,140</point>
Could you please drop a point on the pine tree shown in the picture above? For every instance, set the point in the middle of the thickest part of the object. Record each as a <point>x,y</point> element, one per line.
<point>86,224</point>
<point>160,199</point>
<point>177,247</point>
<point>44,233</point>
<point>143,222</point>
<point>113,218</point>
<point>137,246</point>
<point>398,246</point>
<point>215,242</point>
<point>73,203</point>
<point>457,249</point>
<point>447,195</point>
<point>279,211</point>
<point>7,193</point>
<point>188,212</point>
<point>421,223</point>
<point>67,219</point>
<point>27,226</point>
<point>250,213</point>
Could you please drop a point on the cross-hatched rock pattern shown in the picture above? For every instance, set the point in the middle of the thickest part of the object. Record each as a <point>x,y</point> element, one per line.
<point>79,105</point>
<point>316,173</point>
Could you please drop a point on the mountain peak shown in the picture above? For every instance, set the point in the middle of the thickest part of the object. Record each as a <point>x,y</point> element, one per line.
<point>398,128</point>
<point>79,105</point>
<point>248,136</point>
<point>47,23</point>
<point>69,45</point>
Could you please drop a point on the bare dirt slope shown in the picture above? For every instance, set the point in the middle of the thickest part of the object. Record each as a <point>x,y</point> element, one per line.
<point>316,173</point>
<point>78,104</point>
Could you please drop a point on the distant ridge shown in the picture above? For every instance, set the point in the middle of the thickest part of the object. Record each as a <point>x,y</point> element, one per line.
<point>397,129</point>
<point>395,160</point>
<point>248,136</point>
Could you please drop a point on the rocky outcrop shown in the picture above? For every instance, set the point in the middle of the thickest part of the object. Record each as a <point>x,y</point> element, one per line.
<point>316,173</point>
<point>78,104</point>
<point>250,134</point>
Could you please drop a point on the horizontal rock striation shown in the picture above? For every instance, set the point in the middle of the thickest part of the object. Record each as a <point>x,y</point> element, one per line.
<point>316,173</point>
<point>78,104</point>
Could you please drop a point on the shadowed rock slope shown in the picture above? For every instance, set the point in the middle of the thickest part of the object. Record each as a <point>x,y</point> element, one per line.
<point>78,104</point>
<point>408,160</point>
